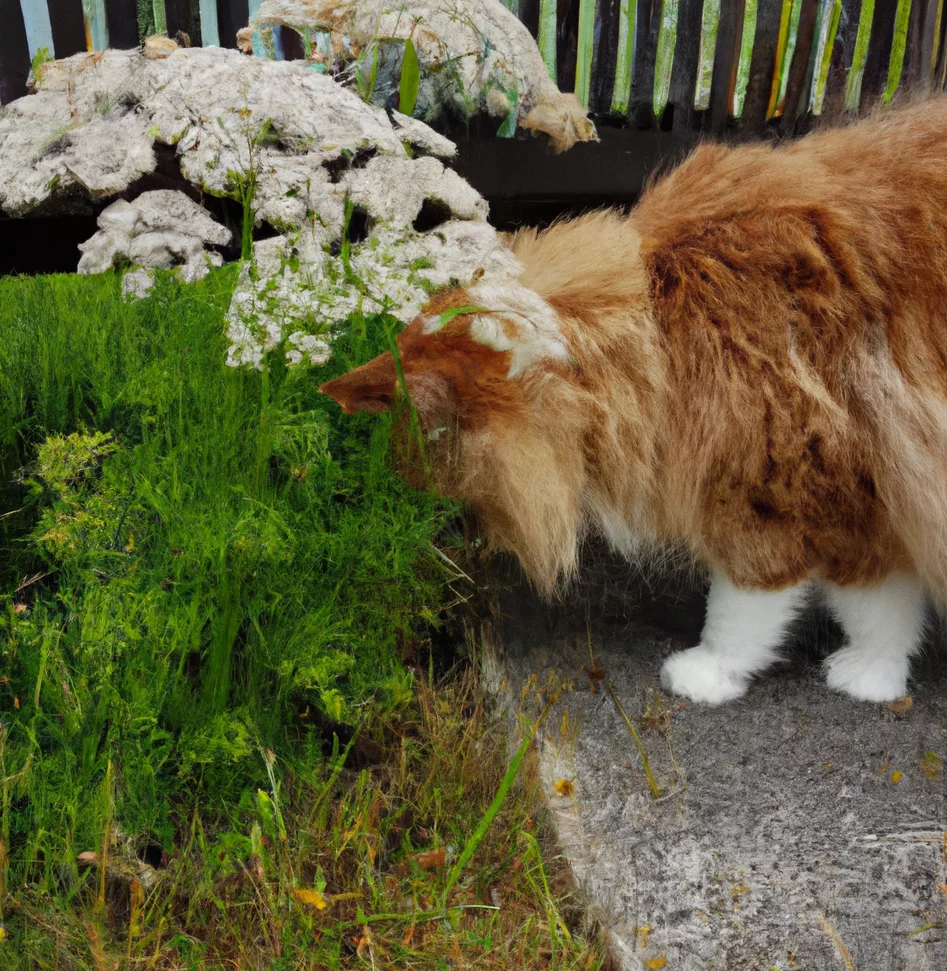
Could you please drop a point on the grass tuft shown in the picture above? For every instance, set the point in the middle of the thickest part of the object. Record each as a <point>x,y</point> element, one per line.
<point>216,749</point>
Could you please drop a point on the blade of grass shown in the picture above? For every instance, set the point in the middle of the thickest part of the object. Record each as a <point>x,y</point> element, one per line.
<point>505,785</point>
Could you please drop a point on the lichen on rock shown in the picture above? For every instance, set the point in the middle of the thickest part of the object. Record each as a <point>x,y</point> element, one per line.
<point>161,229</point>
<point>473,55</point>
<point>360,211</point>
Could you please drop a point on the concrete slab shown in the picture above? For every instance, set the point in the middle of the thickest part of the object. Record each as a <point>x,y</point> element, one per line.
<point>796,829</point>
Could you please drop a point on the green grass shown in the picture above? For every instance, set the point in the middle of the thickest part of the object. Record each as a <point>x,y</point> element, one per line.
<point>208,577</point>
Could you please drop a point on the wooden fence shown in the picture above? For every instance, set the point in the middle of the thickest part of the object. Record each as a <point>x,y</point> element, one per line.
<point>677,65</point>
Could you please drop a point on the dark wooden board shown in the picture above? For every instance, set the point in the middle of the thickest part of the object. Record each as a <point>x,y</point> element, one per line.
<point>762,65</point>
<point>14,54</point>
<point>122,19</point>
<point>232,15</point>
<point>641,107</point>
<point>726,59</point>
<point>684,69</point>
<point>879,53</point>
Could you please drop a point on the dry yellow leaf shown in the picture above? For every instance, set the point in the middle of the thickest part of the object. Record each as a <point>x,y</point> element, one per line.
<point>896,776</point>
<point>312,897</point>
<point>564,788</point>
<point>656,962</point>
<point>431,859</point>
<point>901,706</point>
<point>644,932</point>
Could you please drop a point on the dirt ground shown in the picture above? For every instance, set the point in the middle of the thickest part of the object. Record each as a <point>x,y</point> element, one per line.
<point>795,828</point>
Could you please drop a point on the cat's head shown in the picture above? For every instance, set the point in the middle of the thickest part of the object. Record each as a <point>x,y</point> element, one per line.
<point>487,413</point>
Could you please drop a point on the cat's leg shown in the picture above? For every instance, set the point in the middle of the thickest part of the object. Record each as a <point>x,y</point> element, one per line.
<point>742,634</point>
<point>884,626</point>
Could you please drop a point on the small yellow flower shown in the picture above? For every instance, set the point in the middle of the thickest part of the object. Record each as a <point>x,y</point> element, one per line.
<point>312,897</point>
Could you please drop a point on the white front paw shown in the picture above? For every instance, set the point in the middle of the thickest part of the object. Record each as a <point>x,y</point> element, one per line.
<point>867,678</point>
<point>698,674</point>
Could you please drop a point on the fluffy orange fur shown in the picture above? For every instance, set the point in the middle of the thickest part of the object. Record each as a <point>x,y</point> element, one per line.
<point>756,372</point>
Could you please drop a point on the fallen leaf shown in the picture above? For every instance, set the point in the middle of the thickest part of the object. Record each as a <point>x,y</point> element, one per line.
<point>90,856</point>
<point>644,933</point>
<point>564,788</point>
<point>656,962</point>
<point>595,674</point>
<point>931,765</point>
<point>312,897</point>
<point>896,776</point>
<point>901,706</point>
<point>16,703</point>
<point>431,859</point>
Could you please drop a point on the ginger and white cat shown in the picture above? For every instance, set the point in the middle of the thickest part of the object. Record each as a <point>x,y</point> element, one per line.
<point>752,366</point>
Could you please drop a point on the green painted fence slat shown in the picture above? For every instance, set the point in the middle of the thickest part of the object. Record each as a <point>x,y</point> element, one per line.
<point>39,30</point>
<point>746,57</point>
<point>625,62</point>
<point>210,27</point>
<point>547,35</point>
<point>830,13</point>
<point>585,51</point>
<point>709,24</point>
<point>97,28</point>
<point>896,64</point>
<point>853,88</point>
<point>785,64</point>
<point>664,58</point>
<point>161,17</point>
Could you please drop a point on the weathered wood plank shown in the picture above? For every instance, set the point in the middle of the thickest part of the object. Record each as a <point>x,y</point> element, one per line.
<point>546,36</point>
<point>843,53</point>
<point>747,36</point>
<point>830,13</point>
<point>800,69</point>
<point>709,25</point>
<point>68,27</point>
<point>97,29</point>
<point>184,16</point>
<point>729,35</point>
<point>878,59</point>
<point>625,56</point>
<point>14,53</point>
<point>585,44</point>
<point>763,64</point>
<point>664,56</point>
<point>899,39</point>
<point>684,71</point>
<point>232,15</point>
<point>210,29</point>
<point>641,109</point>
<point>122,17</point>
<point>606,55</point>
<point>39,31</point>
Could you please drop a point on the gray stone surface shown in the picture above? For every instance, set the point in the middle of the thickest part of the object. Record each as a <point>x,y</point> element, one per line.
<point>782,840</point>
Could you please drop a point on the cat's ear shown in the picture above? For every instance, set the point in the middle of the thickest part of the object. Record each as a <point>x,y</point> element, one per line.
<point>373,387</point>
<point>370,387</point>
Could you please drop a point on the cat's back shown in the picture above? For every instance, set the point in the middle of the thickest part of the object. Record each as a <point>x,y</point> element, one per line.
<point>840,237</point>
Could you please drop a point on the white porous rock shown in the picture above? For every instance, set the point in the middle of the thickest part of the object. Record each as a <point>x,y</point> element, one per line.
<point>297,150</point>
<point>396,189</point>
<point>89,130</point>
<point>495,63</point>
<point>160,229</point>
